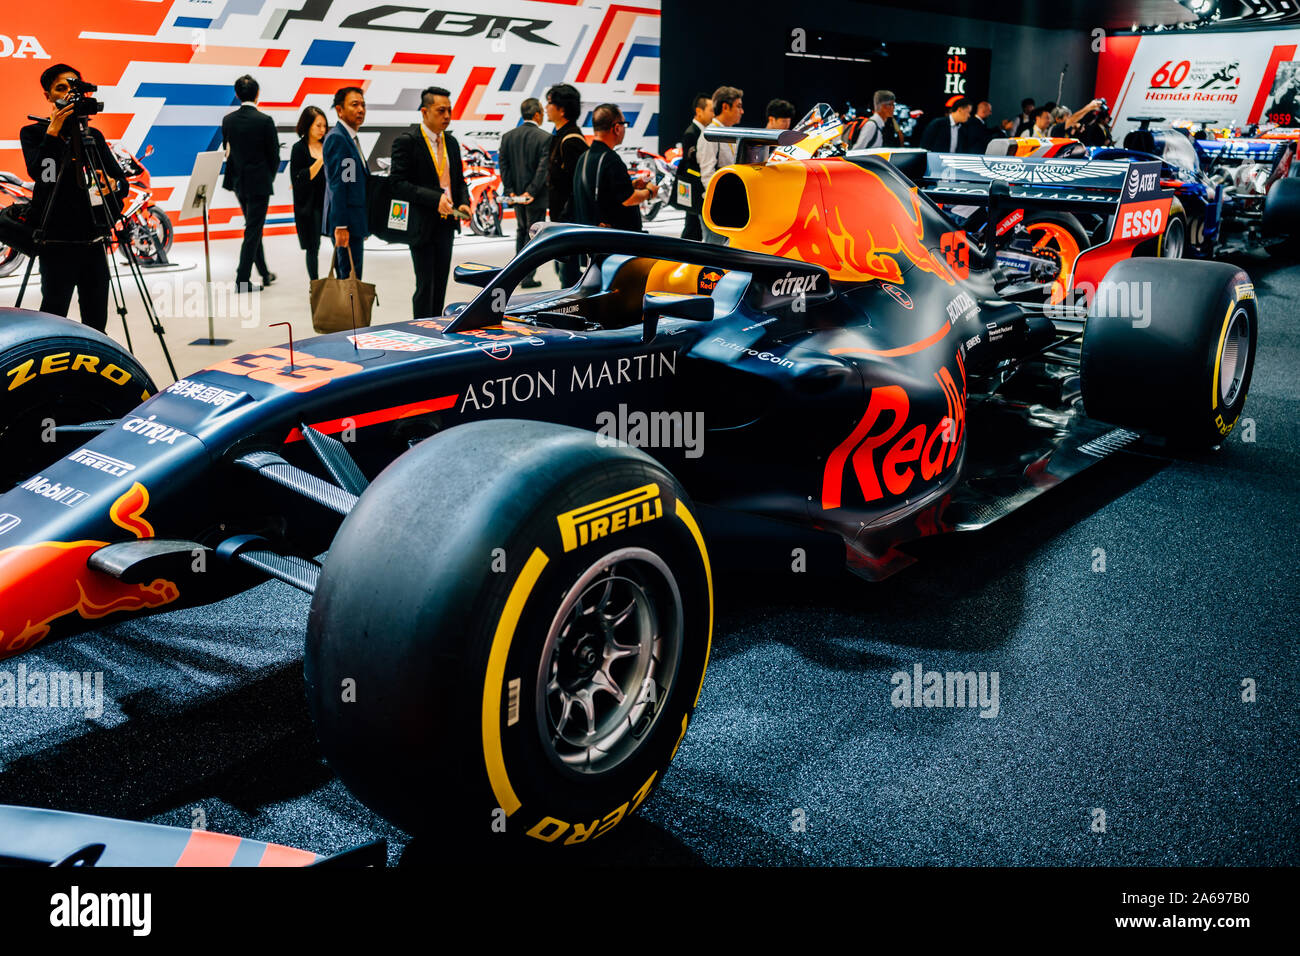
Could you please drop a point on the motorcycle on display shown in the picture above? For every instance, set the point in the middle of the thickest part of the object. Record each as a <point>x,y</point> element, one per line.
<point>148,228</point>
<point>659,172</point>
<point>483,180</point>
<point>12,189</point>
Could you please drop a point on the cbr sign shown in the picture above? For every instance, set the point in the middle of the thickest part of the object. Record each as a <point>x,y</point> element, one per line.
<point>451,23</point>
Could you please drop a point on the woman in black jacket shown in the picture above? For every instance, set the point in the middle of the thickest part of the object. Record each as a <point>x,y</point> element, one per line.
<point>307,171</point>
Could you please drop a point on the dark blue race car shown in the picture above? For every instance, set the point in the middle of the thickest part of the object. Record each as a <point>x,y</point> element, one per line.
<point>1233,194</point>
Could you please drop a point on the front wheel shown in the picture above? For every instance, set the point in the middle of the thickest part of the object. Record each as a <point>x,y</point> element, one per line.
<point>486,664</point>
<point>485,219</point>
<point>1173,242</point>
<point>54,372</point>
<point>1169,348</point>
<point>11,260</point>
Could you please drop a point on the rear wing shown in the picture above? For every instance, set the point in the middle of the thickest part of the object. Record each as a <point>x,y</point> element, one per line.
<point>752,145</point>
<point>1076,185</point>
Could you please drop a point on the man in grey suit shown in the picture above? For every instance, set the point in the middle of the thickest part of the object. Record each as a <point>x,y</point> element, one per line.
<point>523,161</point>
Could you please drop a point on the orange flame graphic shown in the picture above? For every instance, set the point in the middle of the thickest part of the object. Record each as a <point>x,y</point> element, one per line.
<point>43,582</point>
<point>851,222</point>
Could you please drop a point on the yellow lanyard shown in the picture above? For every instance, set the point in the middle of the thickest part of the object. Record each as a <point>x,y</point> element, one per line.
<point>442,141</point>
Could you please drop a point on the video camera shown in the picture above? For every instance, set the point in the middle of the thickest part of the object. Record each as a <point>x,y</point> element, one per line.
<point>79,98</point>
<point>1100,115</point>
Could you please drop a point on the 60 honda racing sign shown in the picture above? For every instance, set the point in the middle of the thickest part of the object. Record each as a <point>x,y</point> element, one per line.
<point>1194,77</point>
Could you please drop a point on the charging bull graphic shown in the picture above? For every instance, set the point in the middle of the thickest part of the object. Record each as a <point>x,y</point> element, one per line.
<point>853,224</point>
<point>40,583</point>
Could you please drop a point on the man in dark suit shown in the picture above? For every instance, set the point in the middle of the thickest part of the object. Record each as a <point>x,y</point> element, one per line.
<point>252,160</point>
<point>426,172</point>
<point>523,160</point>
<point>951,133</point>
<point>346,175</point>
<point>74,259</point>
<point>1025,120</point>
<point>987,126</point>
<point>688,168</point>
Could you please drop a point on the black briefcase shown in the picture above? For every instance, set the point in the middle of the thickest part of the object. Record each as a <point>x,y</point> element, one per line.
<point>390,219</point>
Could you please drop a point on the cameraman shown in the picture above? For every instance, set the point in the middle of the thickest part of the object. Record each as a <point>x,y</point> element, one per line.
<point>1095,128</point>
<point>75,224</point>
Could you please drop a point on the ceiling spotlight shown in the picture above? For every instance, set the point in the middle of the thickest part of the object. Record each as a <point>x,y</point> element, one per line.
<point>1202,8</point>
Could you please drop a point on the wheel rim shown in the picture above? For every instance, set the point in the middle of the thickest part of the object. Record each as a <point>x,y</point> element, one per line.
<point>1174,240</point>
<point>485,213</point>
<point>1052,237</point>
<point>1234,357</point>
<point>609,663</point>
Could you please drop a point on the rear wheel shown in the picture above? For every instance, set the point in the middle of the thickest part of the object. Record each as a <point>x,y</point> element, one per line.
<point>1173,242</point>
<point>524,665</point>
<point>1058,237</point>
<point>56,372</point>
<point>1282,218</point>
<point>1179,366</point>
<point>148,225</point>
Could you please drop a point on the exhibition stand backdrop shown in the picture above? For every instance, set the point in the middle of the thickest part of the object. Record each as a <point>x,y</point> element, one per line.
<point>1224,79</point>
<point>166,70</point>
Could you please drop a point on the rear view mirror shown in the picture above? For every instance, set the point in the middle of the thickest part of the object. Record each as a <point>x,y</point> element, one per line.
<point>476,274</point>
<point>698,308</point>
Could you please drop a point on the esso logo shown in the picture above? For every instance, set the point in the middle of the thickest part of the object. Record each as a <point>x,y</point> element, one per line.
<point>1140,223</point>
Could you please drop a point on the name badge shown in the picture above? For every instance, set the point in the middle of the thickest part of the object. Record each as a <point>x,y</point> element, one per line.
<point>399,214</point>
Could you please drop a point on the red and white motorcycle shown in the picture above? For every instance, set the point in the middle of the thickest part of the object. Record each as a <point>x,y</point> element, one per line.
<point>148,228</point>
<point>483,180</point>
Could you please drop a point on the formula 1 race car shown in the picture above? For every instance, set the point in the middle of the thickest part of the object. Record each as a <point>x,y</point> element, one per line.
<point>1234,194</point>
<point>1055,218</point>
<point>519,499</point>
<point>1055,223</point>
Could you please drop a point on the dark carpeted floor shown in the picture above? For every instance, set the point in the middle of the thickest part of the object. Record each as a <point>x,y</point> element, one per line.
<point>1119,691</point>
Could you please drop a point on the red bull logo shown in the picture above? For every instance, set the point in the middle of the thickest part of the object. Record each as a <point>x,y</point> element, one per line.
<point>886,460</point>
<point>851,222</point>
<point>41,583</point>
<point>708,280</point>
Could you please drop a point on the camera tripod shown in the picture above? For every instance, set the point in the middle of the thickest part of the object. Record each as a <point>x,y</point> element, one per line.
<point>106,210</point>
